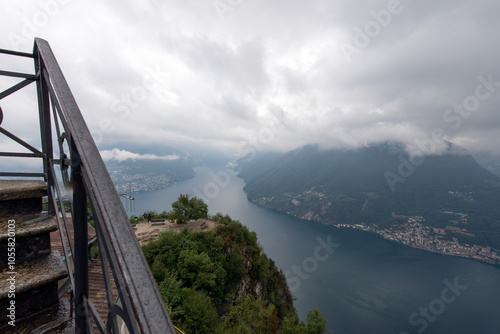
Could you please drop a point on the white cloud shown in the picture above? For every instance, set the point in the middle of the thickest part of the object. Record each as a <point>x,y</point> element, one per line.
<point>122,155</point>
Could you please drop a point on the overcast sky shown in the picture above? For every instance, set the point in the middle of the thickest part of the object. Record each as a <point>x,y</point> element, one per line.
<point>237,74</point>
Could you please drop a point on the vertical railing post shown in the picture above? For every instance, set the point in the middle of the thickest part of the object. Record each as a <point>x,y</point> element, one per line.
<point>45,126</point>
<point>81,241</point>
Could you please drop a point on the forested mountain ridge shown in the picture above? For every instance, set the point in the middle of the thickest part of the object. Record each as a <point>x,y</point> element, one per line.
<point>367,185</point>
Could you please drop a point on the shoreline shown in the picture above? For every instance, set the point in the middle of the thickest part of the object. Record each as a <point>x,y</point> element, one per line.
<point>491,260</point>
<point>495,264</point>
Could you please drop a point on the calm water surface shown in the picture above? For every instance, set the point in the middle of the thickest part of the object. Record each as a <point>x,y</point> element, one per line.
<point>360,282</point>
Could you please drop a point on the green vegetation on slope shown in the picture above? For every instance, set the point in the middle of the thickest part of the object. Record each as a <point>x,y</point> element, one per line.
<point>221,281</point>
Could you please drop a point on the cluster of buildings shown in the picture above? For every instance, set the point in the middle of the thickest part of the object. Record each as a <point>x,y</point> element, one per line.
<point>414,233</point>
<point>139,182</point>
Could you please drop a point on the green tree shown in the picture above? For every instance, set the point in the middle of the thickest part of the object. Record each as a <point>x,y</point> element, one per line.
<point>198,270</point>
<point>293,326</point>
<point>200,315</point>
<point>186,209</point>
<point>315,322</point>
<point>198,208</point>
<point>158,269</point>
<point>170,289</point>
<point>250,316</point>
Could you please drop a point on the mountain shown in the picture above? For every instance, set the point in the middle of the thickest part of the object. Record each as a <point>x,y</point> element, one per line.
<point>489,161</point>
<point>375,184</point>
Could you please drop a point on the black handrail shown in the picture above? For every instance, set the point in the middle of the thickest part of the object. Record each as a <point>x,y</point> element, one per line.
<point>139,304</point>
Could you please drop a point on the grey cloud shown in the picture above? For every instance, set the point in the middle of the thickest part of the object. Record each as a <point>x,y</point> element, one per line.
<point>225,65</point>
<point>235,108</point>
<point>269,58</point>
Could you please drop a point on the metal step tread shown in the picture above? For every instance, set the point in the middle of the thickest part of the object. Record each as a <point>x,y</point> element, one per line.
<point>33,274</point>
<point>55,319</point>
<point>27,225</point>
<point>20,189</point>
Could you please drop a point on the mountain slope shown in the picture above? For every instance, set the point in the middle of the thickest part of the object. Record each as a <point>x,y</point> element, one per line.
<point>367,185</point>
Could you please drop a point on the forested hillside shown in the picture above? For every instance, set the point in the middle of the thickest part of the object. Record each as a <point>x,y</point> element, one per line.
<point>221,281</point>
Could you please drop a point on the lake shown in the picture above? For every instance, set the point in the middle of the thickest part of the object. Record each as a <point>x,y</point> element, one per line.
<point>359,281</point>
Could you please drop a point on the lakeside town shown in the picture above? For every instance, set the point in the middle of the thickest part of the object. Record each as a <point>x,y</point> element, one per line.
<point>413,233</point>
<point>125,181</point>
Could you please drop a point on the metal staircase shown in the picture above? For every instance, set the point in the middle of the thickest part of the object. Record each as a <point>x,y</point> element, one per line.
<point>73,171</point>
<point>29,268</point>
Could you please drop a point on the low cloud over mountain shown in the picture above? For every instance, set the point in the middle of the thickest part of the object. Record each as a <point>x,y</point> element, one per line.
<point>122,155</point>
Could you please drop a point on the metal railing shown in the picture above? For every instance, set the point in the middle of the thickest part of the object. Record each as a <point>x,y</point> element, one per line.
<point>84,177</point>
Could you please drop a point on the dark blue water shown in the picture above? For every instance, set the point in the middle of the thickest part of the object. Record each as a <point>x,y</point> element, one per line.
<point>360,282</point>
